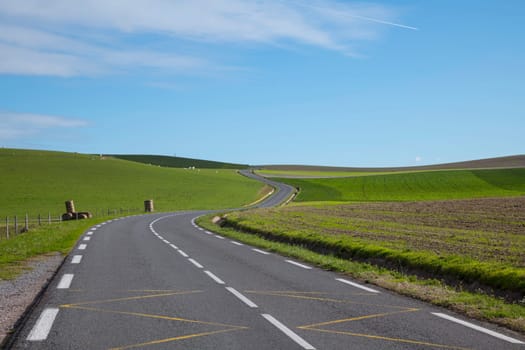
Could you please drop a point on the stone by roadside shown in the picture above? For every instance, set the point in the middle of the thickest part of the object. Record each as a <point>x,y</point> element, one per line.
<point>18,294</point>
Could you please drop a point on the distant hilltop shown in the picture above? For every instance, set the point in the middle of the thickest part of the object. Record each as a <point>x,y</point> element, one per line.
<point>177,162</point>
<point>517,161</point>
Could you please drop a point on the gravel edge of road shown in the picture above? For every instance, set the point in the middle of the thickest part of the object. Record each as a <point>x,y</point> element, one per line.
<point>19,296</point>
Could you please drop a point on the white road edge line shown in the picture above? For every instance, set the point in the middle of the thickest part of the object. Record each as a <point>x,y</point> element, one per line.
<point>303,343</point>
<point>357,285</point>
<point>213,277</point>
<point>478,328</point>
<point>260,251</point>
<point>237,243</point>
<point>76,259</point>
<point>298,264</point>
<point>43,325</point>
<point>219,237</point>
<point>174,246</point>
<point>242,297</point>
<point>82,247</point>
<point>87,239</point>
<point>196,263</point>
<point>65,281</point>
<point>90,233</point>
<point>183,253</point>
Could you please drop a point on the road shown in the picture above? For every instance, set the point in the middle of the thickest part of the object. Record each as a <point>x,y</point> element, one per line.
<point>161,282</point>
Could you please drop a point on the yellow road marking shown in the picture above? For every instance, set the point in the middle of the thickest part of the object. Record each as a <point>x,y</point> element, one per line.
<point>162,317</point>
<point>359,318</point>
<point>326,299</point>
<point>167,340</point>
<point>378,337</point>
<point>131,298</point>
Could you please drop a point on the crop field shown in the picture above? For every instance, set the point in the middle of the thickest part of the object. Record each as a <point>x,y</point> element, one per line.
<point>40,181</point>
<point>428,185</point>
<point>477,240</point>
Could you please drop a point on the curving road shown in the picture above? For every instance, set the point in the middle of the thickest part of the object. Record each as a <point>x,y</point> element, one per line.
<point>161,282</point>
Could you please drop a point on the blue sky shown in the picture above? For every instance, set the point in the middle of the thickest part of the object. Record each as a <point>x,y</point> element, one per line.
<point>385,83</point>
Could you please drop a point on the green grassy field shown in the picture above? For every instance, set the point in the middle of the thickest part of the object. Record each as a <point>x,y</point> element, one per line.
<point>178,162</point>
<point>428,185</point>
<point>40,181</point>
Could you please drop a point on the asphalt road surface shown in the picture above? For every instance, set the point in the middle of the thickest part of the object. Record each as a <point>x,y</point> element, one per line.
<point>161,282</point>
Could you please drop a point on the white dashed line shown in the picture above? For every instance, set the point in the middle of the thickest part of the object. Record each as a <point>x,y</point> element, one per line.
<point>478,328</point>
<point>303,343</point>
<point>87,239</point>
<point>357,285</point>
<point>76,259</point>
<point>241,297</point>
<point>65,281</point>
<point>93,229</point>
<point>260,251</point>
<point>160,237</point>
<point>213,277</point>
<point>82,247</point>
<point>89,233</point>
<point>43,325</point>
<point>298,264</point>
<point>237,243</point>
<point>165,241</point>
<point>182,253</point>
<point>209,233</point>
<point>174,246</point>
<point>219,237</point>
<point>200,229</point>
<point>98,226</point>
<point>194,262</point>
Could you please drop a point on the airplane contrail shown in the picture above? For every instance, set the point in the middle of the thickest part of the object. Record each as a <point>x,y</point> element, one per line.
<point>384,22</point>
<point>370,19</point>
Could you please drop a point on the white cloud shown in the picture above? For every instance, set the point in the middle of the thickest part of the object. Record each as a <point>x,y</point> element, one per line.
<point>419,159</point>
<point>63,36</point>
<point>17,125</point>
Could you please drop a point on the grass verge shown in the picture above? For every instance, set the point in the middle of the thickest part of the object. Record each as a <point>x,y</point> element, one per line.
<point>58,237</point>
<point>476,305</point>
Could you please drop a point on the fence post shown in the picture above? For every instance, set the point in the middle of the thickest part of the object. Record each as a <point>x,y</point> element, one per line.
<point>39,220</point>
<point>16,225</point>
<point>49,217</point>
<point>7,226</point>
<point>26,228</point>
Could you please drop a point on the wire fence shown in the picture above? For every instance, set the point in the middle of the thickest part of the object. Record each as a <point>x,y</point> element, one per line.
<point>11,226</point>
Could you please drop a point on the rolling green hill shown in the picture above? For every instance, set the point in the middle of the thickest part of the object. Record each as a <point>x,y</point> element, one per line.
<point>178,162</point>
<point>430,185</point>
<point>40,182</point>
<point>517,161</point>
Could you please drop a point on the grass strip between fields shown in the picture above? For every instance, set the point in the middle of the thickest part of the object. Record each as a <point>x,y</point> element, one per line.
<point>476,305</point>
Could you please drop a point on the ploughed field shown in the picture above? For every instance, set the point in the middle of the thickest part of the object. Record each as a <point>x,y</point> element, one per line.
<point>477,242</point>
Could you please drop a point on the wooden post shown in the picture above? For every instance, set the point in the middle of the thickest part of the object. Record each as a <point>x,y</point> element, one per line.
<point>39,220</point>
<point>26,228</point>
<point>49,217</point>
<point>7,226</point>
<point>16,224</point>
